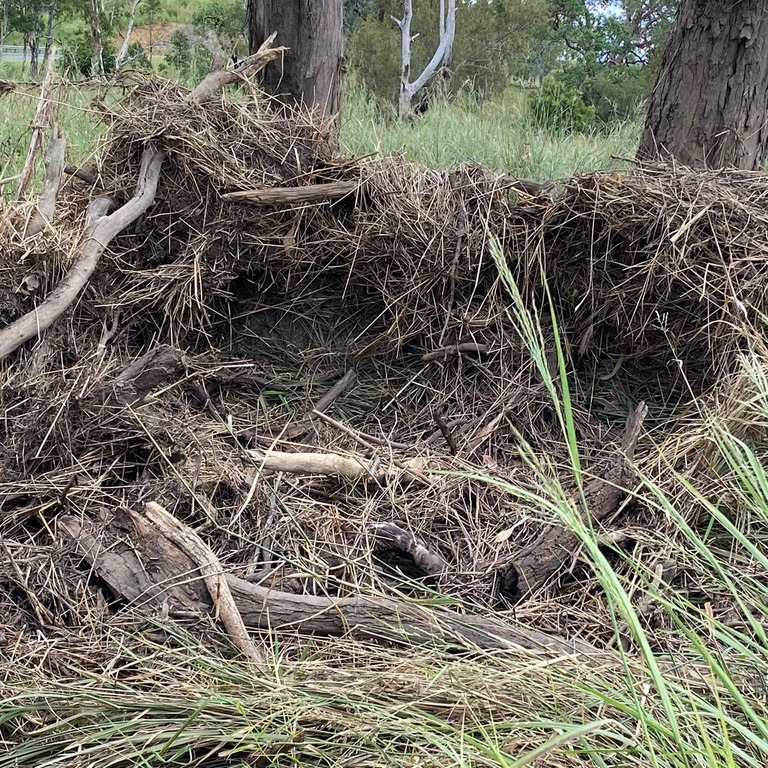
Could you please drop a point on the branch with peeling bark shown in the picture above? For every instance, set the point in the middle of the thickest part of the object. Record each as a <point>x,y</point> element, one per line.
<point>116,548</point>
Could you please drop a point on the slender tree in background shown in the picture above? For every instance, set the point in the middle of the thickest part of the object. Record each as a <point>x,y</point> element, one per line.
<point>442,55</point>
<point>310,71</point>
<point>710,103</point>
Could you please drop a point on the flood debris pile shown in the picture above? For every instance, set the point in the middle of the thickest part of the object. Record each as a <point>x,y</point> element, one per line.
<point>316,365</point>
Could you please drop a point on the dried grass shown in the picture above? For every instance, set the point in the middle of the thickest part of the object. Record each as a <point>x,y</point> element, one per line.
<point>656,277</point>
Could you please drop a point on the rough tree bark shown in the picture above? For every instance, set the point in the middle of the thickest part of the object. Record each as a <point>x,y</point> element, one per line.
<point>710,103</point>
<point>310,71</point>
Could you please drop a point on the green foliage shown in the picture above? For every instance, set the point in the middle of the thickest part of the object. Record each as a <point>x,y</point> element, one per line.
<point>225,17</point>
<point>559,107</point>
<point>188,62</point>
<point>76,47</point>
<point>615,91</point>
<point>494,41</point>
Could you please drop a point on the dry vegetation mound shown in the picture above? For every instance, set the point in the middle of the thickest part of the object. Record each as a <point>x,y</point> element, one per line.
<point>316,363</point>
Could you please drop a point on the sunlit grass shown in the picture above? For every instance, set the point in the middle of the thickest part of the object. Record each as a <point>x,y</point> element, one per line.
<point>496,134</point>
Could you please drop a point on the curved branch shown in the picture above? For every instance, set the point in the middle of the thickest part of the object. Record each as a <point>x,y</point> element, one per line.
<point>99,232</point>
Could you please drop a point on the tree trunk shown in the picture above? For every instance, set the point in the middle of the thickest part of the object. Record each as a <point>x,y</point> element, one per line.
<point>310,71</point>
<point>123,55</point>
<point>710,104</point>
<point>442,55</point>
<point>97,42</point>
<point>52,9</point>
<point>34,47</point>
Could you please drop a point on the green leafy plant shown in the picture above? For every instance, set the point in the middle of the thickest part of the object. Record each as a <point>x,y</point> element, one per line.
<point>558,107</point>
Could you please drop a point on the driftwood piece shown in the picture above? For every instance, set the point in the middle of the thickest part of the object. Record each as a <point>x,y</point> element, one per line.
<point>335,465</point>
<point>99,232</point>
<point>38,128</point>
<point>214,81</point>
<point>389,537</point>
<point>555,546</point>
<point>54,170</point>
<point>148,570</point>
<point>213,576</point>
<point>310,193</point>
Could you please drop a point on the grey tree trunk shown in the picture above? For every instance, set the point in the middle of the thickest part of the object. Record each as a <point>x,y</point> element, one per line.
<point>97,41</point>
<point>710,104</point>
<point>123,55</point>
<point>310,71</point>
<point>52,8</point>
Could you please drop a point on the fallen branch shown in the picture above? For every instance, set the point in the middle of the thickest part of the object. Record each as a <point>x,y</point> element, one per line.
<point>334,465</point>
<point>117,559</point>
<point>389,537</point>
<point>362,438</point>
<point>214,81</point>
<point>555,546</point>
<point>213,576</point>
<point>338,389</point>
<point>54,170</point>
<point>311,193</point>
<point>99,232</point>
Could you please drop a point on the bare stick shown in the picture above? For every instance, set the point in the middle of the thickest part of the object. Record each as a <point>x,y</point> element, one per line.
<point>453,351</point>
<point>54,170</point>
<point>341,386</point>
<point>99,232</point>
<point>213,576</point>
<point>333,464</point>
<point>310,193</point>
<point>359,437</point>
<point>38,128</point>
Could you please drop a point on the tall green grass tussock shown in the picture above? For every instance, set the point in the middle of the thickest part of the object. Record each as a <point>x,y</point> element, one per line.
<point>497,134</point>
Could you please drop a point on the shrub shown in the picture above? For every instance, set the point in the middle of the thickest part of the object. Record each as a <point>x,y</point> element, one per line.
<point>615,91</point>
<point>558,107</point>
<point>76,53</point>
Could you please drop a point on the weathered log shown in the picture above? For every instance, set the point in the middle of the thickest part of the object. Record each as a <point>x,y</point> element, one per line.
<point>54,170</point>
<point>147,570</point>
